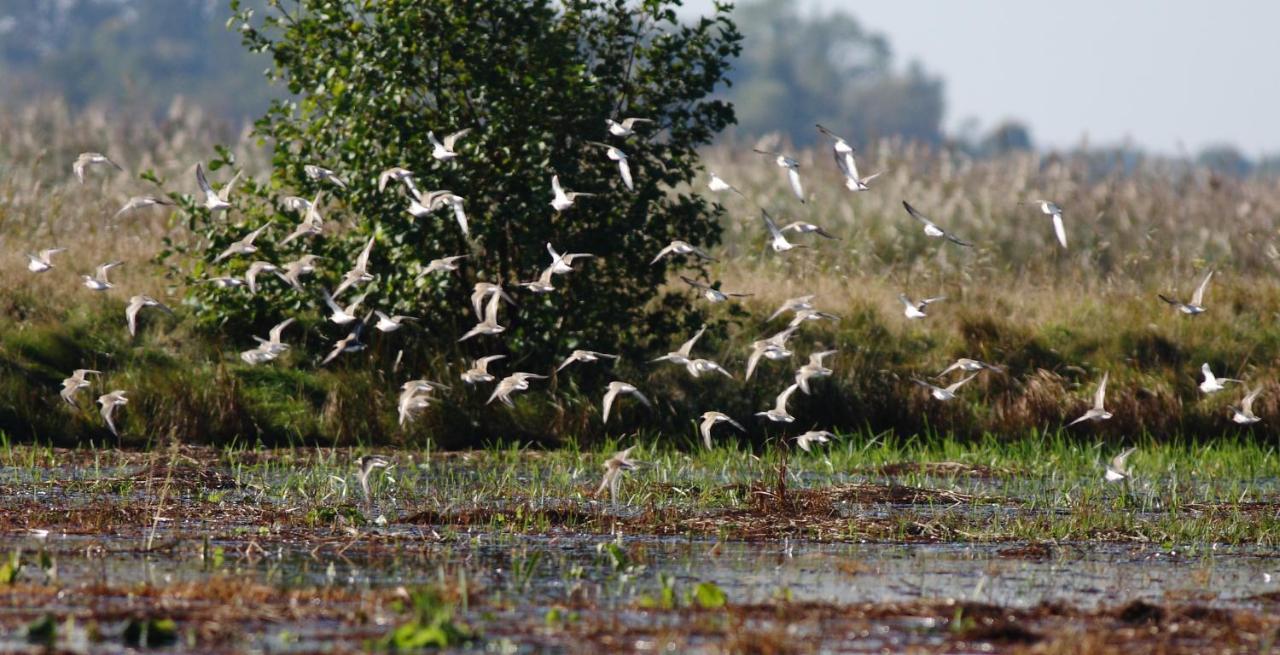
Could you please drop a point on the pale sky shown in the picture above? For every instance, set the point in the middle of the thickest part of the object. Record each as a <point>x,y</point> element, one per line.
<point>1163,74</point>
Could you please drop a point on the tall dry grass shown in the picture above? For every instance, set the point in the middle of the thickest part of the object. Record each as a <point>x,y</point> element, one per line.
<point>1056,318</point>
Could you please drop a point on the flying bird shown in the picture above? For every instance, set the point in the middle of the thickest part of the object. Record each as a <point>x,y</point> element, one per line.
<point>479,371</point>
<point>806,440</point>
<point>243,246</point>
<point>561,264</point>
<point>320,174</point>
<point>697,367</point>
<point>944,393</point>
<point>348,344</point>
<point>390,323</point>
<point>562,199</point>
<point>843,153</point>
<point>1098,412</point>
<point>1243,414</point>
<point>87,159</point>
<point>679,247</point>
<point>969,366</point>
<point>585,356</point>
<point>615,389</point>
<point>482,291</point>
<point>397,174</point>
<point>541,285</point>
<point>1052,210</point>
<point>712,292</point>
<point>141,202</point>
<point>793,170</point>
<point>779,413</point>
<point>257,268</point>
<point>777,240</point>
<point>801,227</point>
<point>813,369</point>
<point>772,348</point>
<point>626,128</point>
<point>915,310</point>
<point>136,304</point>
<point>341,315</point>
<point>616,154</point>
<point>614,468</point>
<point>1212,382</point>
<point>511,384</point>
<point>294,270</point>
<point>110,402</point>
<point>1117,470</point>
<point>932,229</point>
<point>1196,305</point>
<point>682,355</point>
<point>98,281</point>
<point>489,324</point>
<point>443,264</point>
<point>796,304</point>
<point>716,184</point>
<point>215,201</point>
<point>445,151</point>
<point>359,274</point>
<point>42,261</point>
<point>72,385</point>
<point>710,420</point>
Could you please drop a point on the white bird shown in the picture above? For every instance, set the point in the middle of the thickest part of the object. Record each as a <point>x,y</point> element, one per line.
<point>243,246</point>
<point>397,174</point>
<point>561,264</point>
<point>1244,413</point>
<point>796,304</point>
<point>1196,306</point>
<point>586,357</point>
<point>257,268</point>
<point>697,367</point>
<point>110,402</point>
<point>489,324</point>
<point>511,384</point>
<point>806,315</point>
<point>98,281</point>
<point>338,314</point>
<point>1211,382</point>
<point>562,199</point>
<point>368,464</point>
<point>391,323</point>
<point>777,240</point>
<point>843,153</point>
<point>779,413</point>
<point>482,291</point>
<point>320,174</point>
<point>944,393</point>
<point>679,247</point>
<point>444,151</point>
<point>135,305</point>
<point>348,344</point>
<point>614,468</point>
<point>479,371</point>
<point>271,347</point>
<point>443,264</point>
<point>141,202</point>
<point>793,170</point>
<point>1097,412</point>
<point>312,223</point>
<point>410,406</point>
<point>716,184</point>
<point>422,205</point>
<point>932,229</point>
<point>915,310</point>
<point>541,285</point>
<point>359,274</point>
<point>801,227</point>
<point>806,440</point>
<point>681,355</point>
<point>616,154</point>
<point>1052,210</point>
<point>813,369</point>
<point>1117,470</point>
<point>215,201</point>
<point>225,282</point>
<point>615,389</point>
<point>712,292</point>
<point>772,348</point>
<point>42,261</point>
<point>710,420</point>
<point>87,159</point>
<point>626,127</point>
<point>969,366</point>
<point>294,270</point>
<point>72,385</point>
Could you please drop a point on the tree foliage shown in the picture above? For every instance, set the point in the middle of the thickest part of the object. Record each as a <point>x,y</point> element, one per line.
<point>534,81</point>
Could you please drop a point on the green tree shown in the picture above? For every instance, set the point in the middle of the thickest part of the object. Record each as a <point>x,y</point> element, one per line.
<point>534,81</point>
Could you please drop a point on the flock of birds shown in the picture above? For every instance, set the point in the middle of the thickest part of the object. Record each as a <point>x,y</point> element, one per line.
<point>488,297</point>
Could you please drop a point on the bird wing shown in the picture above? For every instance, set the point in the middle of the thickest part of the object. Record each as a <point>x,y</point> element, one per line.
<point>609,397</point>
<point>1198,297</point>
<point>783,397</point>
<point>131,314</point>
<point>1247,403</point>
<point>203,182</point>
<point>1117,462</point>
<point>663,253</point>
<point>278,330</point>
<point>917,215</point>
<point>451,139</point>
<point>1101,394</point>
<point>625,169</point>
<point>1208,373</point>
<point>770,224</point>
<point>555,185</point>
<point>460,215</point>
<point>694,283</point>
<point>753,361</point>
<point>362,262</point>
<point>687,347</point>
<point>1060,229</point>
<point>956,386</point>
<point>956,240</point>
<point>794,176</point>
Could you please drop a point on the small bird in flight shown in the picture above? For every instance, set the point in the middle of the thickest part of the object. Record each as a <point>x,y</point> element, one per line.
<point>1098,412</point>
<point>932,229</point>
<point>1196,305</point>
<point>793,170</point>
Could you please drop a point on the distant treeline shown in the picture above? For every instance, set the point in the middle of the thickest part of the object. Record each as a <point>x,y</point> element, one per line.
<point>796,69</point>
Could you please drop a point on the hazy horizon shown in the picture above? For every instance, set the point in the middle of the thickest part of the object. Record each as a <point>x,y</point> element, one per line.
<point>1171,77</point>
